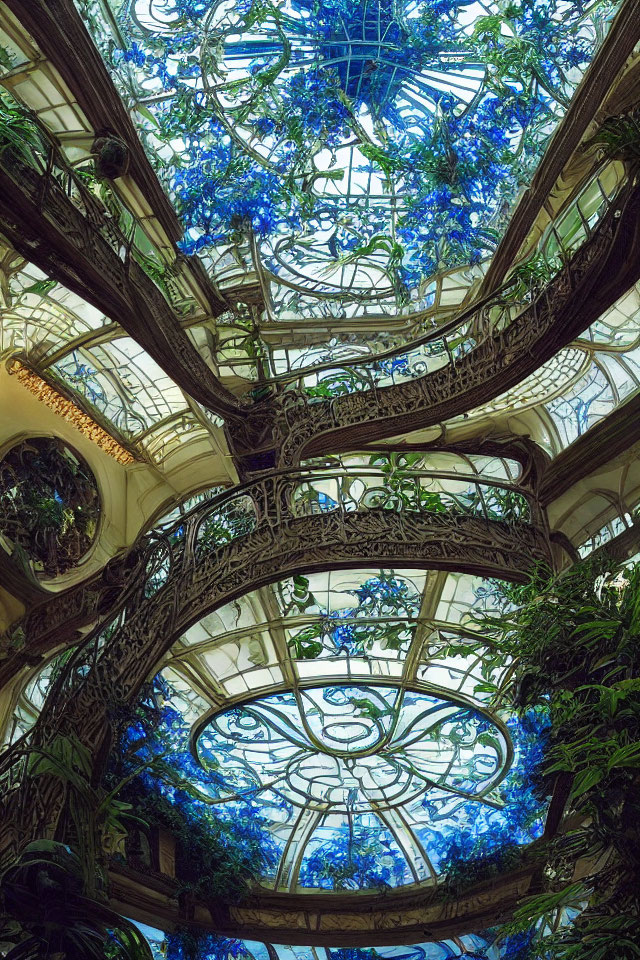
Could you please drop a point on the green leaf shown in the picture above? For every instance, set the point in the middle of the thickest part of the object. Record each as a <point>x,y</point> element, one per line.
<point>628,756</point>
<point>147,114</point>
<point>40,287</point>
<point>368,709</point>
<point>585,780</point>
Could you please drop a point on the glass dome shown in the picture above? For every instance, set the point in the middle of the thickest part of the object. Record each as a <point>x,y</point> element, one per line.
<point>360,737</point>
<point>348,149</point>
<point>355,762</point>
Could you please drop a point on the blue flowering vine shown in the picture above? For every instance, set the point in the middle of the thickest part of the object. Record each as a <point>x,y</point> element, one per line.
<point>343,132</point>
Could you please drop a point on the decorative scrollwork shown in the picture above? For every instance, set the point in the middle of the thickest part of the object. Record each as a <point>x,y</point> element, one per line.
<point>56,205</point>
<point>358,752</point>
<point>263,531</point>
<point>496,356</point>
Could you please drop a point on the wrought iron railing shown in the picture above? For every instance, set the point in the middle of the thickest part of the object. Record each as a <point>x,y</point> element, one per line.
<point>264,507</point>
<point>99,204</point>
<point>247,537</point>
<point>455,338</point>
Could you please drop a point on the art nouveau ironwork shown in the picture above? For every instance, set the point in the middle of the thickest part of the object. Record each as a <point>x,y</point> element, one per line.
<point>306,652</point>
<point>252,536</point>
<point>365,144</point>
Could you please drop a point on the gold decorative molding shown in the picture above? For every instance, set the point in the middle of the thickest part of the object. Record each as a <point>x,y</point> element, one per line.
<point>67,409</point>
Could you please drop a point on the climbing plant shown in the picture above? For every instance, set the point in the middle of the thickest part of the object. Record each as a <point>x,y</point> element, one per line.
<point>49,505</point>
<point>576,640</point>
<point>218,853</point>
<point>277,119</point>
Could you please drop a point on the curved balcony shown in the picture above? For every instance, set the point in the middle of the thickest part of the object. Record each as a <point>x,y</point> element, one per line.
<point>475,358</point>
<point>278,526</point>
<point>361,367</point>
<point>385,514</point>
<point>55,220</point>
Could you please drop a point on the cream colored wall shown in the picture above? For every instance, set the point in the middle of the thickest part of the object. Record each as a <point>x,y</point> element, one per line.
<point>22,415</point>
<point>130,495</point>
<point>611,490</point>
<point>11,610</point>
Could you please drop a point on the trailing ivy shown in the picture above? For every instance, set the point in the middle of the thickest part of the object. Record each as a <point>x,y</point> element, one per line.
<point>492,841</point>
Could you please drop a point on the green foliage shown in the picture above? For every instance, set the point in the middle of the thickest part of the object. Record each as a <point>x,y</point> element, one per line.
<point>307,644</point>
<point>44,907</point>
<point>369,709</point>
<point>208,862</point>
<point>19,133</point>
<point>533,274</point>
<point>467,871</point>
<point>575,639</point>
<point>6,58</point>
<point>152,776</point>
<point>97,819</point>
<point>40,287</point>
<point>619,138</point>
<point>342,381</point>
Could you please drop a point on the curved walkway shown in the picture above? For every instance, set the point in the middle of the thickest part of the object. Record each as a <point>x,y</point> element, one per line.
<point>601,270</point>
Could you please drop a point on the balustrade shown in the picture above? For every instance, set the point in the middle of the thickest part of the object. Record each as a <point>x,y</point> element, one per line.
<point>289,522</point>
<point>448,342</point>
<point>499,343</point>
<point>52,215</point>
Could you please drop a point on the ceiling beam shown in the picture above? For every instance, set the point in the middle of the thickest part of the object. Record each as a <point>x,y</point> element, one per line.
<point>42,223</point>
<point>598,79</point>
<point>601,444</point>
<point>61,35</point>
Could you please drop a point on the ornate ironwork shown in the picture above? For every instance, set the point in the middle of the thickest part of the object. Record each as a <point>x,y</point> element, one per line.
<point>58,618</point>
<point>404,151</point>
<point>353,754</point>
<point>262,531</point>
<point>498,355</point>
<point>360,362</point>
<point>299,520</point>
<point>56,222</point>
<point>382,726</point>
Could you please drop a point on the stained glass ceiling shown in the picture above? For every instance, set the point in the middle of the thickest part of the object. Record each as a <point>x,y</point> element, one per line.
<point>347,150</point>
<point>475,946</point>
<point>246,345</point>
<point>350,717</point>
<point>349,720</point>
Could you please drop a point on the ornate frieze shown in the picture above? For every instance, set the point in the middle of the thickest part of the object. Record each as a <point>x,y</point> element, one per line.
<point>67,409</point>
